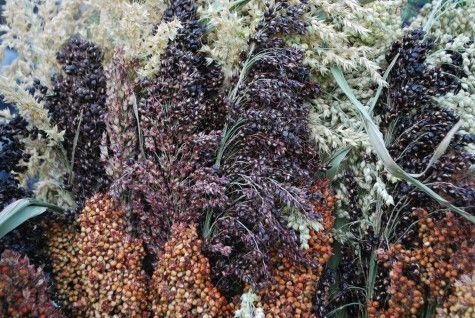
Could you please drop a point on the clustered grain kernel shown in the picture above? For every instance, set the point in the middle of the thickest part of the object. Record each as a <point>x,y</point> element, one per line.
<point>181,283</point>
<point>24,291</point>
<point>99,270</point>
<point>445,252</point>
<point>294,287</point>
<point>64,251</point>
<point>406,296</point>
<point>461,303</point>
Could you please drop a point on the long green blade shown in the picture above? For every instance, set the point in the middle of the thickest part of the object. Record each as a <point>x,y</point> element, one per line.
<point>16,213</point>
<point>445,143</point>
<point>336,161</point>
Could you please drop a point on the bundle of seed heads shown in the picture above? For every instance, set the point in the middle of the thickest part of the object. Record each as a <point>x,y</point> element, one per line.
<point>181,111</point>
<point>181,154</point>
<point>99,270</point>
<point>414,125</point>
<point>272,165</point>
<point>421,125</point>
<point>182,114</point>
<point>424,255</point>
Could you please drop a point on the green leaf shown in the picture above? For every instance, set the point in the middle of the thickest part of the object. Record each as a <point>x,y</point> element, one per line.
<point>238,5</point>
<point>336,161</point>
<point>372,272</point>
<point>339,313</point>
<point>374,100</point>
<point>16,213</point>
<point>441,148</point>
<point>75,143</point>
<point>430,309</point>
<point>377,141</point>
<point>208,225</point>
<point>246,67</point>
<point>228,139</point>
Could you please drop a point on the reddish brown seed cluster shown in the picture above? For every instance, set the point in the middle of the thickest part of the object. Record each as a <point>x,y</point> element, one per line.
<point>406,296</point>
<point>99,270</point>
<point>23,289</point>
<point>321,242</point>
<point>64,251</point>
<point>181,283</point>
<point>462,302</point>
<point>446,251</point>
<point>292,293</point>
